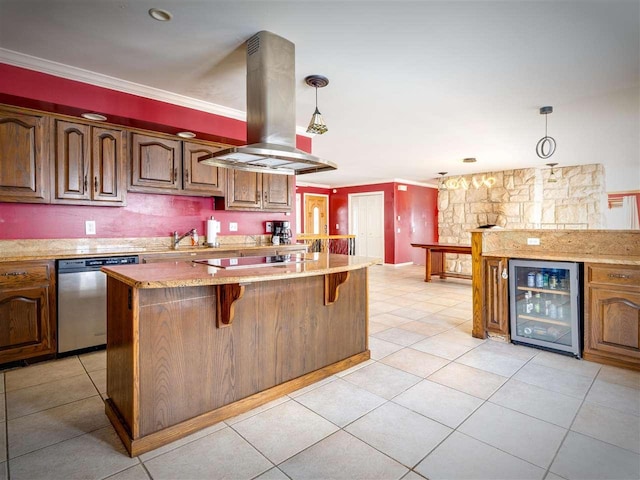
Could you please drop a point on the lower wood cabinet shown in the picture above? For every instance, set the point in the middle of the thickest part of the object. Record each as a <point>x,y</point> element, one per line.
<point>496,295</point>
<point>27,310</point>
<point>612,314</point>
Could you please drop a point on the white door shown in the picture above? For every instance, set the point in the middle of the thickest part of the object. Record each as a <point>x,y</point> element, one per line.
<point>366,222</point>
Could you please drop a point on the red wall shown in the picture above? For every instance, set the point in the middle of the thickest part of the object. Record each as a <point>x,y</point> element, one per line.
<point>145,215</point>
<point>416,207</point>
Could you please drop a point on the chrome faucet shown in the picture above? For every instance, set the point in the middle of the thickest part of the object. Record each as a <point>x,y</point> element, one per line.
<point>176,238</point>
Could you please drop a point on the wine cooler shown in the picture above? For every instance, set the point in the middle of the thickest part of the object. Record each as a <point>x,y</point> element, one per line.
<point>545,305</point>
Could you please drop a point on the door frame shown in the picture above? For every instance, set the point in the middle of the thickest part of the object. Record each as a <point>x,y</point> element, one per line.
<point>304,210</point>
<point>350,208</point>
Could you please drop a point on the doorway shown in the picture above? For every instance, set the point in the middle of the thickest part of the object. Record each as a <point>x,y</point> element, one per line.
<point>366,222</point>
<point>316,214</point>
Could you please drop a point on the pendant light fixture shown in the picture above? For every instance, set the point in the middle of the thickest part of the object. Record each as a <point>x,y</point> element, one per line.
<point>441,184</point>
<point>552,175</point>
<point>546,146</point>
<point>317,125</point>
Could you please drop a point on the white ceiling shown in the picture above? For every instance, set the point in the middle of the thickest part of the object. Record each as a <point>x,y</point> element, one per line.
<point>415,87</point>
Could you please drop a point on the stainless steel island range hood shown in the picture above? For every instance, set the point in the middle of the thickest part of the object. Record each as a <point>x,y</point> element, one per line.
<point>271,114</point>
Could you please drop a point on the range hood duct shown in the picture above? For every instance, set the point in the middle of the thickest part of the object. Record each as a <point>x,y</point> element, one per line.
<point>271,115</point>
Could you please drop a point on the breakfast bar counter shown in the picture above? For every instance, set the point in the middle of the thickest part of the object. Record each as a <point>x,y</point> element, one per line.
<point>190,344</point>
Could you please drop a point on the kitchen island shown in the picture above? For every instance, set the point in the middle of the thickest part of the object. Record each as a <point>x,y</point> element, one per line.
<point>190,344</point>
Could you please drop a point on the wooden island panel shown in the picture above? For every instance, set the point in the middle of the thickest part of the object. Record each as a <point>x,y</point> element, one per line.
<point>172,370</point>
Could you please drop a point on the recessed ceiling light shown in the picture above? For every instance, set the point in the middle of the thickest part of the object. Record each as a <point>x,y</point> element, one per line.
<point>469,160</point>
<point>186,134</point>
<point>94,116</point>
<point>160,14</point>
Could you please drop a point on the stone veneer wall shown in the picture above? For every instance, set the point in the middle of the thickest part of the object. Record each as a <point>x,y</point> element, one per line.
<point>522,199</point>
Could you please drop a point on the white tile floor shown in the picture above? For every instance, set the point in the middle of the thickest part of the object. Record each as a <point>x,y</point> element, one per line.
<point>433,402</point>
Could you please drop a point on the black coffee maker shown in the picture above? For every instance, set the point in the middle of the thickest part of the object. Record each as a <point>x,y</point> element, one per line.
<point>281,230</point>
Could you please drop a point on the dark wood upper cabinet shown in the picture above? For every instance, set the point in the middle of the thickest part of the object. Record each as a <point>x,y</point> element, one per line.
<point>24,150</point>
<point>244,190</point>
<point>277,192</point>
<point>109,157</point>
<point>198,178</point>
<point>253,191</point>
<point>72,174</point>
<point>89,164</point>
<point>156,164</point>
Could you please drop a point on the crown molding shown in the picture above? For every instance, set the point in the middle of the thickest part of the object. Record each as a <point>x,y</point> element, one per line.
<point>413,182</point>
<point>314,185</point>
<point>393,180</point>
<point>42,65</point>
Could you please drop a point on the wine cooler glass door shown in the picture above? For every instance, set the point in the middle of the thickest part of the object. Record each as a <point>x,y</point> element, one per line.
<point>544,304</point>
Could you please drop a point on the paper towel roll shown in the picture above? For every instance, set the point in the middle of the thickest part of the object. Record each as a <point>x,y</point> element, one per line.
<point>212,231</point>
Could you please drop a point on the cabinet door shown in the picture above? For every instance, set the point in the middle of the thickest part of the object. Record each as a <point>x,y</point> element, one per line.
<point>200,179</point>
<point>613,324</point>
<point>108,166</point>
<point>24,175</point>
<point>27,310</point>
<point>244,190</point>
<point>72,162</point>
<point>156,164</point>
<point>277,192</point>
<point>496,304</point>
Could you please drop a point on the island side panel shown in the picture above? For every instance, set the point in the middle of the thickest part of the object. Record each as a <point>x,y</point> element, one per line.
<point>281,330</point>
<point>121,347</point>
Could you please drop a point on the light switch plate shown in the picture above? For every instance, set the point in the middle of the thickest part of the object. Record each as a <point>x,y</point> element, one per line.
<point>90,227</point>
<point>533,241</point>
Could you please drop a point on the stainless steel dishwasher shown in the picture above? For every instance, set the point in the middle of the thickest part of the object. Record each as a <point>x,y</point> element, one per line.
<point>82,301</point>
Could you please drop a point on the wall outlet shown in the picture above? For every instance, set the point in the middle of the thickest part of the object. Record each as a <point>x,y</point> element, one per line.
<point>337,226</point>
<point>90,227</point>
<point>233,226</point>
<point>533,241</point>
<point>268,227</point>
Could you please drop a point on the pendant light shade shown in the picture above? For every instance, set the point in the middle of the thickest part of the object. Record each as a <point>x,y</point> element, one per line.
<point>552,175</point>
<point>317,125</point>
<point>441,184</point>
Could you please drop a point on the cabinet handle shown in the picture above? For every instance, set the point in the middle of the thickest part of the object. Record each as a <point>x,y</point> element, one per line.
<point>175,174</point>
<point>95,184</point>
<point>619,275</point>
<point>186,176</point>
<point>85,183</point>
<point>13,274</point>
<point>505,275</point>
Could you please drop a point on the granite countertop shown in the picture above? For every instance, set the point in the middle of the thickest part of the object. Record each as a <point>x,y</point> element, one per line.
<point>60,252</point>
<point>568,257</point>
<point>186,274</point>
